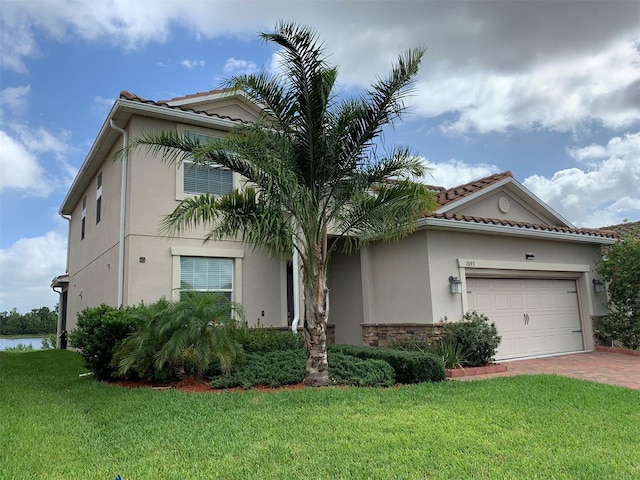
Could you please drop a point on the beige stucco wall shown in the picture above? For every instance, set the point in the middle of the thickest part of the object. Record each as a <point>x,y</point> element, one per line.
<point>93,261</point>
<point>152,193</point>
<point>487,207</point>
<point>345,296</point>
<point>410,277</point>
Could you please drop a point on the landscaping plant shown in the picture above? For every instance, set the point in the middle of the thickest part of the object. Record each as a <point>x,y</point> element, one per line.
<point>99,332</point>
<point>474,338</point>
<point>199,328</point>
<point>621,270</point>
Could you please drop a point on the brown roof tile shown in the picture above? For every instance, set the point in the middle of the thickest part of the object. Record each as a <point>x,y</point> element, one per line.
<point>624,229</point>
<point>447,196</point>
<point>130,96</point>
<point>533,226</point>
<point>199,94</point>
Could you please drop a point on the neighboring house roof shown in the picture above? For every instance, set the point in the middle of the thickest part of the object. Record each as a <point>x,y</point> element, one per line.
<point>624,229</point>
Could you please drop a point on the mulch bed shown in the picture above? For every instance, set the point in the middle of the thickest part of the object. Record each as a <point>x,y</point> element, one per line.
<point>198,386</point>
<point>624,351</point>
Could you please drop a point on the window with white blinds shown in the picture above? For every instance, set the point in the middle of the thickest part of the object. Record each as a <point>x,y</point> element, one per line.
<point>203,274</point>
<point>212,179</point>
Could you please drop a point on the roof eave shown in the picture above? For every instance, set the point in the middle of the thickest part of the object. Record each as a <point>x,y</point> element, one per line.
<point>121,111</point>
<point>506,230</point>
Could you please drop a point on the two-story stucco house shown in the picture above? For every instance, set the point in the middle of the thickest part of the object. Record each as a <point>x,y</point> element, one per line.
<point>492,246</point>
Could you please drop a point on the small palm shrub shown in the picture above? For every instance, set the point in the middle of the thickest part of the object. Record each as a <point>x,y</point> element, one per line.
<point>196,330</point>
<point>474,336</point>
<point>98,334</point>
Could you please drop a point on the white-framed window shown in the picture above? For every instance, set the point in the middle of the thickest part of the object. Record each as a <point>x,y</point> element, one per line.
<point>83,224</point>
<point>199,179</point>
<point>207,275</point>
<point>99,198</point>
<point>207,269</point>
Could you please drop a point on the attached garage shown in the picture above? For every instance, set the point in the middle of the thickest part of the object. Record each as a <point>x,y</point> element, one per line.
<point>534,316</point>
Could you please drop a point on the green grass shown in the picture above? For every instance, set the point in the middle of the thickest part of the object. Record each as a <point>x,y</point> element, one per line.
<point>56,425</point>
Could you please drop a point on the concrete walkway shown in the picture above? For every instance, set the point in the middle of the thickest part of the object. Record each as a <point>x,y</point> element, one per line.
<point>603,367</point>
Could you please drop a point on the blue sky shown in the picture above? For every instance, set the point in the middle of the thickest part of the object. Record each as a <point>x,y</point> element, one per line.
<point>548,90</point>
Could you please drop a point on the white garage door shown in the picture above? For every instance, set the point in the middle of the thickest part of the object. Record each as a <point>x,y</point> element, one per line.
<point>533,316</point>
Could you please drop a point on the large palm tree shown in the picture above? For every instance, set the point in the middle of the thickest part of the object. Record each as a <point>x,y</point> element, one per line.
<point>313,171</point>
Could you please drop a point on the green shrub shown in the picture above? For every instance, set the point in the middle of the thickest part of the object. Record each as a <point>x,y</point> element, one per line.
<point>619,327</point>
<point>21,347</point>
<point>99,332</point>
<point>477,337</point>
<point>414,345</point>
<point>260,339</point>
<point>273,369</point>
<point>347,370</point>
<point>453,354</point>
<point>408,367</point>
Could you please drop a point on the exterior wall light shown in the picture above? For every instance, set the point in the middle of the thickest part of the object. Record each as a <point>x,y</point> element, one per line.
<point>598,286</point>
<point>529,256</point>
<point>456,285</point>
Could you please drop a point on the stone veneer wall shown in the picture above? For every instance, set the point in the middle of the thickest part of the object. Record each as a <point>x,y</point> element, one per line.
<point>331,331</point>
<point>384,334</point>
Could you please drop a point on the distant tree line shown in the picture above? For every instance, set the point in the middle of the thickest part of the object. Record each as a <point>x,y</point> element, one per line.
<point>37,321</point>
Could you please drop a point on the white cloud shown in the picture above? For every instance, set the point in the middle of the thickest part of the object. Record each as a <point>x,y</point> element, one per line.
<point>236,66</point>
<point>493,65</point>
<point>101,106</point>
<point>20,170</point>
<point>15,99</point>
<point>192,63</point>
<point>29,265</point>
<point>455,172</point>
<point>605,194</point>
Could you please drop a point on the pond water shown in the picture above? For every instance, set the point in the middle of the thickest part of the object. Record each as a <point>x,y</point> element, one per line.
<point>36,342</point>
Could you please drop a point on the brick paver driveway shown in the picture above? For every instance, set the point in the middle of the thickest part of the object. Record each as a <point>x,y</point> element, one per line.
<point>603,367</point>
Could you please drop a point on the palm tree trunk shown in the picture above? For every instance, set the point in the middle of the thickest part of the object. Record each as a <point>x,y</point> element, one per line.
<point>316,310</point>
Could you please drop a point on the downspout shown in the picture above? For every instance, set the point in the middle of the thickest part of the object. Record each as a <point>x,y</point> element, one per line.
<point>296,290</point>
<point>61,312</point>
<point>123,209</point>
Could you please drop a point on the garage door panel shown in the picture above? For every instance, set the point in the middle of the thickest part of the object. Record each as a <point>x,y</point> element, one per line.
<point>552,320</point>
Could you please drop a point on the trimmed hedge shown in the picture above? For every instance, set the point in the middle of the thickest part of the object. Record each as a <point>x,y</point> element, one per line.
<point>408,367</point>
<point>276,369</point>
<point>266,339</point>
<point>347,370</point>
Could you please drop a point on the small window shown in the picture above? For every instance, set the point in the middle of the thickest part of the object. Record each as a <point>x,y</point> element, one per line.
<point>212,179</point>
<point>84,218</point>
<point>99,199</point>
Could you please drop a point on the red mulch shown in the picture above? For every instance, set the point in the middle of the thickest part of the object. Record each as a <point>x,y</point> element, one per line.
<point>193,385</point>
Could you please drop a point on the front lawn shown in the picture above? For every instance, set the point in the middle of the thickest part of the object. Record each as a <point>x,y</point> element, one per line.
<point>57,425</point>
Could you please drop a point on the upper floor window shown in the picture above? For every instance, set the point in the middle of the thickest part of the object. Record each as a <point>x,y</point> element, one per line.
<point>83,224</point>
<point>99,199</point>
<point>212,179</point>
